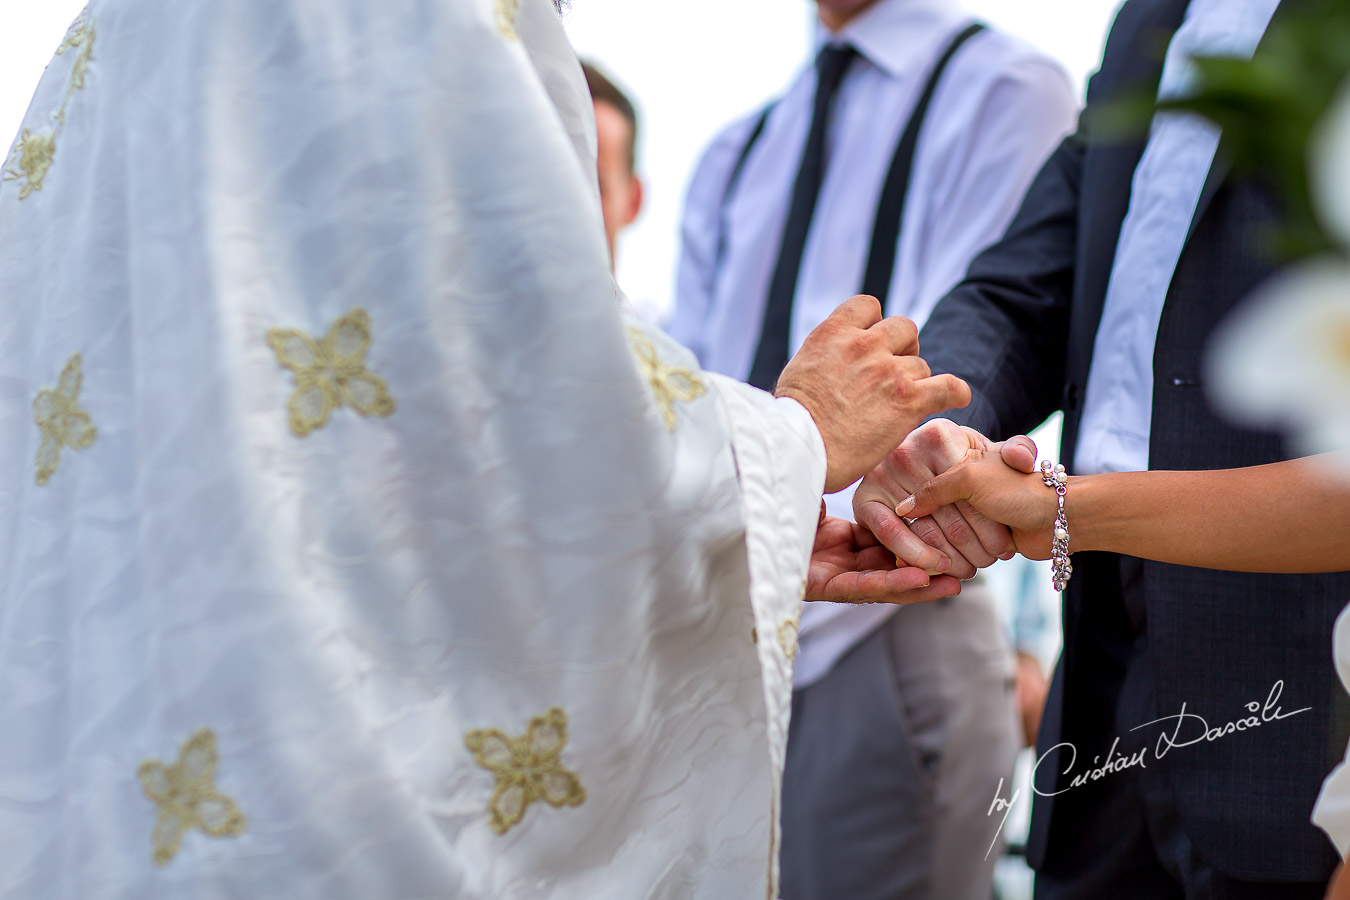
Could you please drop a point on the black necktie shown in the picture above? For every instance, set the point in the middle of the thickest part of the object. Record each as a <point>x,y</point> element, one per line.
<point>772,353</point>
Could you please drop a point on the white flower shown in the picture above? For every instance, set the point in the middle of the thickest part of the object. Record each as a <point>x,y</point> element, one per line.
<point>1329,167</point>
<point>1283,360</point>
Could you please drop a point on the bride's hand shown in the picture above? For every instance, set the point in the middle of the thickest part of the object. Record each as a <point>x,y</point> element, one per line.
<point>998,491</point>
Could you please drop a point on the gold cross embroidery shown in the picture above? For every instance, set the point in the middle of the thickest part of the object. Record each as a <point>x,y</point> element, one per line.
<point>505,13</point>
<point>80,37</point>
<point>31,160</point>
<point>60,420</point>
<point>787,636</point>
<point>186,797</point>
<point>330,372</point>
<point>527,768</point>
<point>32,156</point>
<point>790,630</point>
<point>669,384</point>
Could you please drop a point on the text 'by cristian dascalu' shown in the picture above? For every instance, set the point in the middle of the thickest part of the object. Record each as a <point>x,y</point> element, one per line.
<point>1188,729</point>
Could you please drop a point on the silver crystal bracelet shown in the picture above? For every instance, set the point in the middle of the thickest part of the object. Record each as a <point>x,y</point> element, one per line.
<point>1062,570</point>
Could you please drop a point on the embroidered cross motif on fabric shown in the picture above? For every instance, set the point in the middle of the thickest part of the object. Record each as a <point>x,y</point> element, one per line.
<point>60,420</point>
<point>330,372</point>
<point>505,13</point>
<point>670,385</point>
<point>787,636</point>
<point>527,768</point>
<point>186,798</point>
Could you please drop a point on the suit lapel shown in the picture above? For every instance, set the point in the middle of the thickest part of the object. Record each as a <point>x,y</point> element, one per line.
<point>1131,66</point>
<point>1222,165</point>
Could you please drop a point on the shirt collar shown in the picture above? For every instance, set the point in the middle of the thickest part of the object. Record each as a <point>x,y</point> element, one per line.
<point>896,35</point>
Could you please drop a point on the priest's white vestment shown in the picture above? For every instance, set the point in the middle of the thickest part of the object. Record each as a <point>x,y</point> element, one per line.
<point>354,544</point>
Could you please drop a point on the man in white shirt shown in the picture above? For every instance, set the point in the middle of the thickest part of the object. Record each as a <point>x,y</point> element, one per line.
<point>902,721</point>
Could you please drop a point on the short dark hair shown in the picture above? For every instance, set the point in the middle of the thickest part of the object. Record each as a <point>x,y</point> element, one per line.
<point>604,91</point>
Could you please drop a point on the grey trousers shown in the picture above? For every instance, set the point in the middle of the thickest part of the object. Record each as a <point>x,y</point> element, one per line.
<point>894,758</point>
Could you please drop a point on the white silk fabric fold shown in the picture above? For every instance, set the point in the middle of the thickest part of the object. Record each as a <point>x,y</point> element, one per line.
<point>354,543</point>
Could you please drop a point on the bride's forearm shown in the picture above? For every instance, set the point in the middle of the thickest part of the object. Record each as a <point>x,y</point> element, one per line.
<point>1285,517</point>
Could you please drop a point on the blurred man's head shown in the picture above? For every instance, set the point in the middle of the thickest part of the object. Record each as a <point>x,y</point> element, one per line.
<point>837,13</point>
<point>616,129</point>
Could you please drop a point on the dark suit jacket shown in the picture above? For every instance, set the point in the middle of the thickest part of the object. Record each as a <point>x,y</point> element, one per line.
<point>1021,331</point>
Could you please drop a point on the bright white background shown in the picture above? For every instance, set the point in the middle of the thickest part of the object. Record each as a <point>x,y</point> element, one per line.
<point>30,32</point>
<point>690,65</point>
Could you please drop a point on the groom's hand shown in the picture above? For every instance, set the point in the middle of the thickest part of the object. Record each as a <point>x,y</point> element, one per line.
<point>956,539</point>
<point>860,377</point>
<point>849,565</point>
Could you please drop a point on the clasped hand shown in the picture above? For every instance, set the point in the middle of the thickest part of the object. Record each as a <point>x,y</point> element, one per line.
<point>860,377</point>
<point>943,504</point>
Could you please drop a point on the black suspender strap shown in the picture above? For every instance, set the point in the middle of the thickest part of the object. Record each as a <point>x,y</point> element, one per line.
<point>730,190</point>
<point>891,207</point>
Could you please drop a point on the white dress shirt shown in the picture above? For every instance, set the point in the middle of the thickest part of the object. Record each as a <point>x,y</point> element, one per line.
<point>1118,401</point>
<point>999,111</point>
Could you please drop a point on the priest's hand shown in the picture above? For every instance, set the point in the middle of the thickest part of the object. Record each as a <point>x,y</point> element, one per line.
<point>860,377</point>
<point>956,539</point>
<point>849,565</point>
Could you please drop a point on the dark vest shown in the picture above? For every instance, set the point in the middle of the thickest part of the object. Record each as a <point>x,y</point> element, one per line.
<point>1216,641</point>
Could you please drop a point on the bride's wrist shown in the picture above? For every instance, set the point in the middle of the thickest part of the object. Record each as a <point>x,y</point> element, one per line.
<point>1079,502</point>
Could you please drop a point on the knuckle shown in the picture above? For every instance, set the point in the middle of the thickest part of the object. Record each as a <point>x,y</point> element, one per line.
<point>929,436</point>
<point>903,387</point>
<point>902,457</point>
<point>829,330</point>
<point>977,519</point>
<point>858,342</point>
<point>974,437</point>
<point>885,528</point>
<point>959,531</point>
<point>905,329</point>
<point>927,530</point>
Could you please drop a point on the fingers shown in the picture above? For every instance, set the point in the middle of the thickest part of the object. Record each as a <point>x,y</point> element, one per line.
<point>896,537</point>
<point>942,392</point>
<point>975,439</point>
<point>962,534</point>
<point>943,490</point>
<point>901,336</point>
<point>994,536</point>
<point>901,586</point>
<point>861,311</point>
<point>913,370</point>
<point>931,532</point>
<point>1020,453</point>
